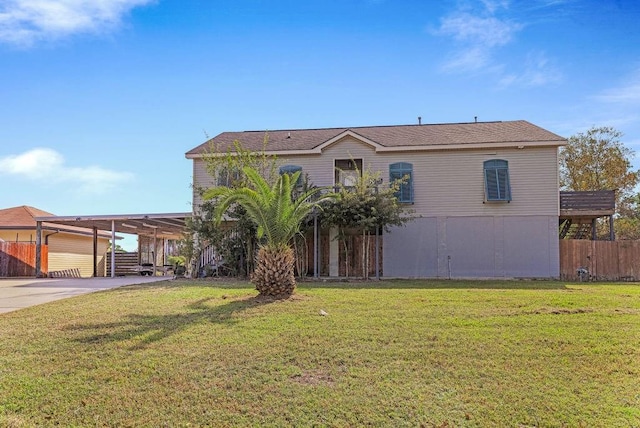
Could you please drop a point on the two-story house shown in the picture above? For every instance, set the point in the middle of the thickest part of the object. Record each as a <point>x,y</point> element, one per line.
<point>485,193</point>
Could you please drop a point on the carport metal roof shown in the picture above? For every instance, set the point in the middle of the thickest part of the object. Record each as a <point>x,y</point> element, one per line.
<point>164,225</point>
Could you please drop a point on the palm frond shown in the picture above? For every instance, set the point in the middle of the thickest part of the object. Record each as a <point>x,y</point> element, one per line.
<point>273,208</point>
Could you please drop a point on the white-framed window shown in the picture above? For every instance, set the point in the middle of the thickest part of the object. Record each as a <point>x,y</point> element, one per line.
<point>347,172</point>
<point>227,176</point>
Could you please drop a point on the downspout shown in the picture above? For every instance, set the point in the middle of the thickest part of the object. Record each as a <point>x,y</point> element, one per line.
<point>46,238</point>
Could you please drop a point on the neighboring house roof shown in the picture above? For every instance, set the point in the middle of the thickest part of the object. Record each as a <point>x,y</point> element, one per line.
<point>23,217</point>
<point>387,138</point>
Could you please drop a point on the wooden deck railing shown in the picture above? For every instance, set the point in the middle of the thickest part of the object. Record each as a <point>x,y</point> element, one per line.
<point>600,200</point>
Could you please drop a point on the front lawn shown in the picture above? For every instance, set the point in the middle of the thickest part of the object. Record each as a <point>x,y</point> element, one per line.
<point>389,353</point>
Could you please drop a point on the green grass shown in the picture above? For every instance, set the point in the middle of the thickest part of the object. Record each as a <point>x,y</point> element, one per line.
<point>389,353</point>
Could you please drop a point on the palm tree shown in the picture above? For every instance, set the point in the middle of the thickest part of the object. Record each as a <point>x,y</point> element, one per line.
<point>278,215</point>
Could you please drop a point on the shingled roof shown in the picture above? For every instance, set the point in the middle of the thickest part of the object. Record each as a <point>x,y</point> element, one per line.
<point>23,218</point>
<point>387,138</point>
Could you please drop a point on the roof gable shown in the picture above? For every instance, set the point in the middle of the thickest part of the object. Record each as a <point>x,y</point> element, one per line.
<point>344,134</point>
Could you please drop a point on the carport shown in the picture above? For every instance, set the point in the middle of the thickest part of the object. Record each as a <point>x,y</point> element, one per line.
<point>156,226</point>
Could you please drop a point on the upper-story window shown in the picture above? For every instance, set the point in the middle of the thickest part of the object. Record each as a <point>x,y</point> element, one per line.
<point>347,172</point>
<point>227,176</point>
<point>402,171</point>
<point>496,180</point>
<point>292,169</point>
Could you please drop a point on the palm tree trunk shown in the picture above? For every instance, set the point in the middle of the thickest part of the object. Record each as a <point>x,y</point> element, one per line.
<point>274,273</point>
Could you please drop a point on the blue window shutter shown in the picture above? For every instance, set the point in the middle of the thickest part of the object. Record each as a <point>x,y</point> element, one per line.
<point>496,180</point>
<point>399,171</point>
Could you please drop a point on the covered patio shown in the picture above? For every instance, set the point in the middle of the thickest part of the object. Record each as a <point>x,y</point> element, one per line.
<point>154,226</point>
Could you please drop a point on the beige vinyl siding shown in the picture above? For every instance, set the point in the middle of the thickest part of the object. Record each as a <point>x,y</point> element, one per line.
<point>451,183</point>
<point>68,251</point>
<point>320,168</point>
<point>445,183</point>
<point>201,179</point>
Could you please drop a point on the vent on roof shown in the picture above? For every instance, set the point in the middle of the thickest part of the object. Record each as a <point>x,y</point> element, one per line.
<point>419,120</point>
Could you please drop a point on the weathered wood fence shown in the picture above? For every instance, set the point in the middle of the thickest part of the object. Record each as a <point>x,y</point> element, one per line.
<point>603,260</point>
<point>352,250</point>
<point>19,259</point>
<point>125,264</point>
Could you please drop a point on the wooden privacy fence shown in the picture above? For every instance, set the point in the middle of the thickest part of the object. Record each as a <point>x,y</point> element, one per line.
<point>126,264</point>
<point>352,250</point>
<point>601,260</point>
<point>19,259</point>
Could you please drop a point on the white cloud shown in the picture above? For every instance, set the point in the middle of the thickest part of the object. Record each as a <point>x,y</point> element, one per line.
<point>36,163</point>
<point>627,93</point>
<point>538,71</point>
<point>493,5</point>
<point>477,35</point>
<point>478,31</point>
<point>23,22</point>
<point>46,166</point>
<point>473,58</point>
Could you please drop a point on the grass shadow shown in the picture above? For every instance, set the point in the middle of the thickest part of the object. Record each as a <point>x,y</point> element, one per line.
<point>391,284</point>
<point>212,282</point>
<point>426,284</point>
<point>156,327</point>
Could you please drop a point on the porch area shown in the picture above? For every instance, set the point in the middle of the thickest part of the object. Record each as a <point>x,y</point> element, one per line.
<point>580,211</point>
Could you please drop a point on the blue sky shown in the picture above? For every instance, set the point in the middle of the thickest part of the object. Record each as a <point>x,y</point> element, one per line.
<point>102,98</point>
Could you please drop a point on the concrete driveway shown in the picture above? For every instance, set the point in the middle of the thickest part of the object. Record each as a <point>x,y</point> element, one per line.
<point>21,293</point>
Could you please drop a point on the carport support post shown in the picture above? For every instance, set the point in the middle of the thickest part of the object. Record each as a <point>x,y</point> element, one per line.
<point>38,249</point>
<point>113,248</point>
<point>612,231</point>
<point>155,249</point>
<point>95,252</point>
